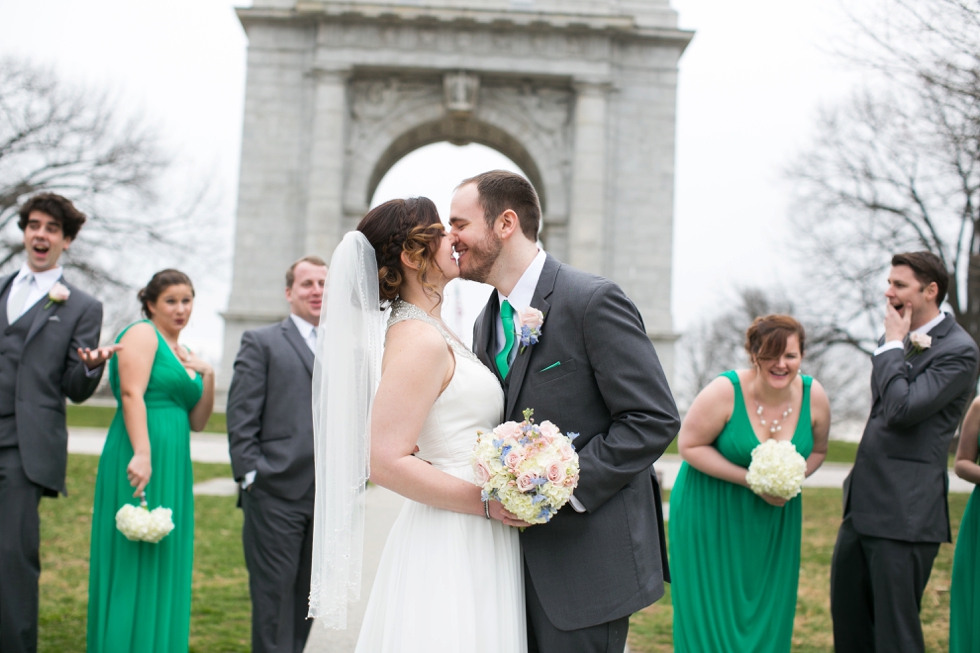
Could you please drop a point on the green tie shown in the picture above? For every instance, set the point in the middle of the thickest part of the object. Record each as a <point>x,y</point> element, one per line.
<point>507,319</point>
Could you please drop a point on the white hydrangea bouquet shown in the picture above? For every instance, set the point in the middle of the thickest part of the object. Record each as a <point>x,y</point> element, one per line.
<point>777,469</point>
<point>530,469</point>
<point>140,524</point>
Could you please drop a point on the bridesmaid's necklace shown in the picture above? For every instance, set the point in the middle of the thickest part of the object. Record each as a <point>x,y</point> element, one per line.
<point>775,427</point>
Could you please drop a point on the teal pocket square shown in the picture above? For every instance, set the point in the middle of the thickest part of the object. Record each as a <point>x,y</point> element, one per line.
<point>550,367</point>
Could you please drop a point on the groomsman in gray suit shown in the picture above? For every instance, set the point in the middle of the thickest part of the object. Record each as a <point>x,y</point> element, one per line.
<point>49,336</point>
<point>270,433</point>
<point>594,372</point>
<point>895,510</point>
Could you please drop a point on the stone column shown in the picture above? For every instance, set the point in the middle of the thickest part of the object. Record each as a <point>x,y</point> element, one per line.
<point>324,208</point>
<point>588,189</point>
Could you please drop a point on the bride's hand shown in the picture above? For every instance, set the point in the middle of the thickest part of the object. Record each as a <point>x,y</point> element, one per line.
<point>499,513</point>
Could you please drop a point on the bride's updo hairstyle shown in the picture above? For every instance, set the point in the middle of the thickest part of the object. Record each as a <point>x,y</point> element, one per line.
<point>411,226</point>
<point>766,338</point>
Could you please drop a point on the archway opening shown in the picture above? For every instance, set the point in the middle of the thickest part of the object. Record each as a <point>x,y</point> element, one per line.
<point>434,171</point>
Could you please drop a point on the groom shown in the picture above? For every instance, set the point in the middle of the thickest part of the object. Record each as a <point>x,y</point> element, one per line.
<point>592,372</point>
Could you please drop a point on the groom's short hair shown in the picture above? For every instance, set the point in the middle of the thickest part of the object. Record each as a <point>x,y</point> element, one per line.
<point>501,190</point>
<point>927,268</point>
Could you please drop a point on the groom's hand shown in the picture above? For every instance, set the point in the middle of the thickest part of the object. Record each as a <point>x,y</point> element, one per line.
<point>498,512</point>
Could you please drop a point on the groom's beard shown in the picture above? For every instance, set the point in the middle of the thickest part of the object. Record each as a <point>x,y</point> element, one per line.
<point>480,258</point>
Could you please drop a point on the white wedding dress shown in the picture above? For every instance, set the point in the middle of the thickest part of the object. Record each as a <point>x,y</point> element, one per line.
<point>449,582</point>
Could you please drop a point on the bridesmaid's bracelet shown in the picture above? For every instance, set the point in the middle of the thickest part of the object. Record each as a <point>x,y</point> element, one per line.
<point>486,507</point>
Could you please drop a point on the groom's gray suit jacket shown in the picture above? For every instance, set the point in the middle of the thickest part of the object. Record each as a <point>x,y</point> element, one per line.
<point>610,561</point>
<point>44,369</point>
<point>897,488</point>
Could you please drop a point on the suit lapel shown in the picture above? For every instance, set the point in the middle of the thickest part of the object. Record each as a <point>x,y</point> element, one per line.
<point>42,316</point>
<point>546,285</point>
<point>483,338</point>
<point>296,340</point>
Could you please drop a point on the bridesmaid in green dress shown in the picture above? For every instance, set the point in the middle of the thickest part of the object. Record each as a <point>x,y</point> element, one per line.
<point>735,555</point>
<point>140,593</point>
<point>964,592</point>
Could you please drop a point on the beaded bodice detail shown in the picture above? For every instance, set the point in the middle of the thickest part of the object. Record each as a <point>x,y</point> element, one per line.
<point>401,311</point>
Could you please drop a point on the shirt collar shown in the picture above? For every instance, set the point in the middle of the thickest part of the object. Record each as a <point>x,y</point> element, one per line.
<point>522,294</point>
<point>44,280</point>
<point>928,326</point>
<point>305,328</point>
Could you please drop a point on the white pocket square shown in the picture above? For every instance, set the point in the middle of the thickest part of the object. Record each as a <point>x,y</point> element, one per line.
<point>54,318</point>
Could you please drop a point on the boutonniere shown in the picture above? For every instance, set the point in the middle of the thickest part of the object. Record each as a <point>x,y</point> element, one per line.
<point>919,342</point>
<point>58,294</point>
<point>530,332</point>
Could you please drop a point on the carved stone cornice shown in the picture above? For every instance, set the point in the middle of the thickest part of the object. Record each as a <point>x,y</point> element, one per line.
<point>467,18</point>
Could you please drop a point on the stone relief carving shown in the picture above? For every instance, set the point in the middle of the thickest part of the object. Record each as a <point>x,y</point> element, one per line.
<point>461,90</point>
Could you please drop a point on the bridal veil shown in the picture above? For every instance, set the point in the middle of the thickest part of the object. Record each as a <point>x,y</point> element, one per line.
<point>345,378</point>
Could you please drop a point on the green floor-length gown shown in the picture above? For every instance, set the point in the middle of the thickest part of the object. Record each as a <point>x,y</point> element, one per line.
<point>140,593</point>
<point>964,592</point>
<point>735,559</point>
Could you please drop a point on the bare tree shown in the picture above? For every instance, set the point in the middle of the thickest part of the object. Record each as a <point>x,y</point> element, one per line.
<point>73,141</point>
<point>897,167</point>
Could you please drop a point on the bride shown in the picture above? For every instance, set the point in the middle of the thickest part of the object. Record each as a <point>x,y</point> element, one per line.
<point>450,577</point>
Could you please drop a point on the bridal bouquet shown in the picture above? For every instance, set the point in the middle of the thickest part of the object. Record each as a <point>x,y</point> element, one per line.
<point>776,469</point>
<point>531,469</point>
<point>140,524</point>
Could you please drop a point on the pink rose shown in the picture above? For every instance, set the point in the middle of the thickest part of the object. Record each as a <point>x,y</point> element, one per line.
<point>525,482</point>
<point>532,318</point>
<point>481,471</point>
<point>59,293</point>
<point>549,431</point>
<point>514,458</point>
<point>565,452</point>
<point>508,430</point>
<point>556,472</point>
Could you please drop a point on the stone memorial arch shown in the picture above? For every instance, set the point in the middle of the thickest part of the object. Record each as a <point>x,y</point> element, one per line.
<point>581,94</point>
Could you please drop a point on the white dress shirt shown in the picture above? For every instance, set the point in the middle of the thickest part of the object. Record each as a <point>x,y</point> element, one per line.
<point>307,330</point>
<point>40,286</point>
<point>924,329</point>
<point>520,298</point>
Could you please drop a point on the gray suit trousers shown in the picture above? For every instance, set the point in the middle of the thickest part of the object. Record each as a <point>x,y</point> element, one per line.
<point>876,587</point>
<point>20,562</point>
<point>544,637</point>
<point>277,538</point>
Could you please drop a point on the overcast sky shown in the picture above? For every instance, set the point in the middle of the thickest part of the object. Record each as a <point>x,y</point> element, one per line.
<point>751,83</point>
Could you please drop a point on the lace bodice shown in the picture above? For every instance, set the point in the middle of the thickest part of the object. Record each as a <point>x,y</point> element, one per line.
<point>473,401</point>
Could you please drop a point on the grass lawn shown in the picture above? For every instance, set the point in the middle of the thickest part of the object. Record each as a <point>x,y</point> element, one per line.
<point>101,417</point>
<point>220,618</point>
<point>650,629</point>
<point>220,606</point>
